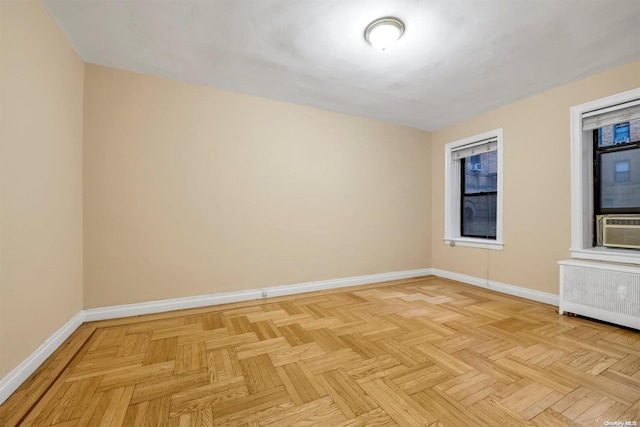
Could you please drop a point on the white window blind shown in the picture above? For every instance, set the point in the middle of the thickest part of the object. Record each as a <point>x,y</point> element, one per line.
<point>611,115</point>
<point>475,148</point>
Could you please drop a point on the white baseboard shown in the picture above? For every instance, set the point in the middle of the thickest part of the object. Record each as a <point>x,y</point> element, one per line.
<point>160,306</point>
<point>517,291</point>
<point>17,376</point>
<point>277,291</point>
<point>126,310</point>
<point>20,373</point>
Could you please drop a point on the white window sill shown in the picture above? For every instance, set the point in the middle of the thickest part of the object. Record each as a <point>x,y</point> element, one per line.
<point>474,243</point>
<point>625,256</point>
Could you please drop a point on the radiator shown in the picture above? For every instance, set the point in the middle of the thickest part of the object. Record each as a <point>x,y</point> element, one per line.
<point>603,291</point>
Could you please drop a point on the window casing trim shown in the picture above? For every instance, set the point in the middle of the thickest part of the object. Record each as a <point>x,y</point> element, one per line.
<point>582,198</point>
<point>452,195</point>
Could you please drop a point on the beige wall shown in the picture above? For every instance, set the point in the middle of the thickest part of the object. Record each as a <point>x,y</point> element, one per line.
<point>537,189</point>
<point>191,190</point>
<point>41,85</point>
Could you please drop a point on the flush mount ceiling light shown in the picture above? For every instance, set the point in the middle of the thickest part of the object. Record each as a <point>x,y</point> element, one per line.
<point>384,32</point>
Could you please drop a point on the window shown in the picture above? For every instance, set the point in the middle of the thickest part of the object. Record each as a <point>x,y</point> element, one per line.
<point>473,191</point>
<point>615,147</point>
<point>605,160</point>
<point>479,195</point>
<point>622,171</point>
<point>616,191</point>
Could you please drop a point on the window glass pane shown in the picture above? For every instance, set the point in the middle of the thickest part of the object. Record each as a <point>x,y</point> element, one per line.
<point>479,216</point>
<point>481,173</point>
<point>620,180</point>
<point>619,133</point>
<point>622,171</point>
<point>622,166</point>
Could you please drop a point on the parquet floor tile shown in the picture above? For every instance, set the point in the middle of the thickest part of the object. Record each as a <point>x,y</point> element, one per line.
<point>416,352</point>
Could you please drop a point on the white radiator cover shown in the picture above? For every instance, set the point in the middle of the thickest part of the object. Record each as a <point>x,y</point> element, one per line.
<point>600,290</point>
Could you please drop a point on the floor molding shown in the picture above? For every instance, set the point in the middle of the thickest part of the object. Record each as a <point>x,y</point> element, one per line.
<point>20,373</point>
<point>160,306</point>
<point>278,291</point>
<point>444,313</point>
<point>518,291</point>
<point>17,376</point>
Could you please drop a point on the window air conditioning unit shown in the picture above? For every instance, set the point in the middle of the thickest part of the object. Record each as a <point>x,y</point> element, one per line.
<point>621,232</point>
<point>476,167</point>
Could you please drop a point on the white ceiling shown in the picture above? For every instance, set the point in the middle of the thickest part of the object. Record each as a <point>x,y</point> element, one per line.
<point>457,58</point>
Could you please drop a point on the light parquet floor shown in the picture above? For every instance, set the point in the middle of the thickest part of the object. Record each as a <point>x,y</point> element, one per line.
<point>421,352</point>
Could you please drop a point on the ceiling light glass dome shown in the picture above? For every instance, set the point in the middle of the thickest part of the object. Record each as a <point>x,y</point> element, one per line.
<point>384,32</point>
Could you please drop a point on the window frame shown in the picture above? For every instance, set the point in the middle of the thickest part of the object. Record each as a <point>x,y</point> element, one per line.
<point>582,184</point>
<point>453,195</point>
